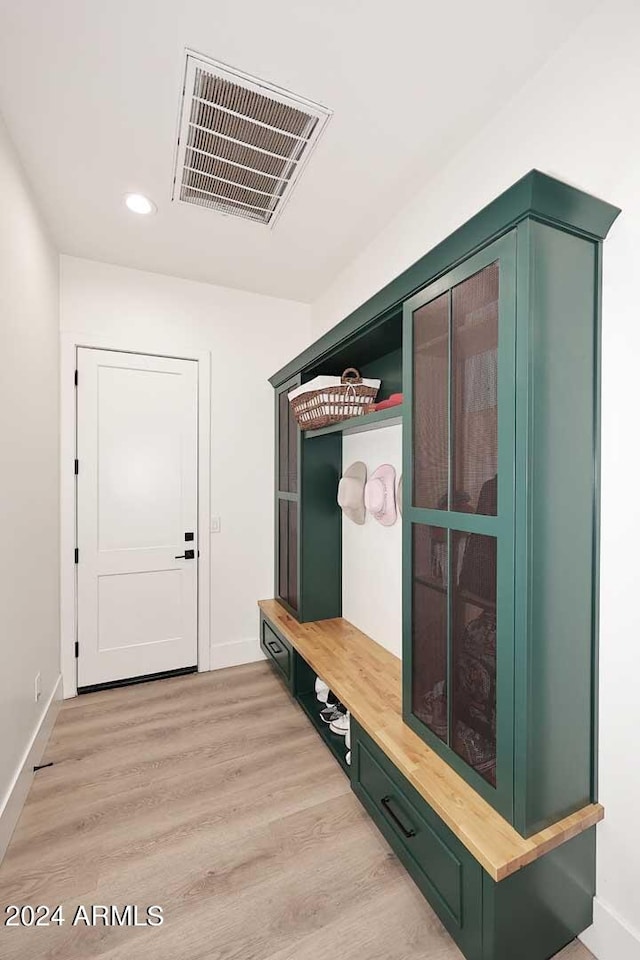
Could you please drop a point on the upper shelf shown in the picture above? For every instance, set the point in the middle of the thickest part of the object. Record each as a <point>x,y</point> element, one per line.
<point>367,421</point>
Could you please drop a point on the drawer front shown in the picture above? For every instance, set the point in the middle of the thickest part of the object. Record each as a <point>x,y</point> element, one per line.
<point>277,649</point>
<point>444,870</point>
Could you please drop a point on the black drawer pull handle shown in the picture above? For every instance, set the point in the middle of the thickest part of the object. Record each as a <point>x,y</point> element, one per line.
<point>386,804</point>
<point>274,646</point>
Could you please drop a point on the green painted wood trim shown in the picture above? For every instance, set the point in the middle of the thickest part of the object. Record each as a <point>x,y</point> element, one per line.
<point>534,913</point>
<point>450,520</point>
<point>556,635</point>
<point>369,421</point>
<point>407,524</point>
<point>320,531</point>
<point>535,195</point>
<point>595,684</point>
<point>522,517</point>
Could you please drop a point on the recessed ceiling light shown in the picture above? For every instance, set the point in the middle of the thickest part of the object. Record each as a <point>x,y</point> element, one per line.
<point>138,203</point>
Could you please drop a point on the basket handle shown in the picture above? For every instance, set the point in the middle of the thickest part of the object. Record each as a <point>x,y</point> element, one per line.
<point>354,379</point>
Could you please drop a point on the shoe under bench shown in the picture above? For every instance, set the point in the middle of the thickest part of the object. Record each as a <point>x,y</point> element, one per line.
<point>501,896</point>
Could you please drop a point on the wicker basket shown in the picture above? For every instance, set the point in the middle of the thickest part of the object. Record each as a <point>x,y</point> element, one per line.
<point>333,399</point>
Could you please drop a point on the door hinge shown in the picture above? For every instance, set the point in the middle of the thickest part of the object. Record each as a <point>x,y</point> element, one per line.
<point>76,555</point>
<point>75,378</point>
<point>77,649</point>
<point>75,467</point>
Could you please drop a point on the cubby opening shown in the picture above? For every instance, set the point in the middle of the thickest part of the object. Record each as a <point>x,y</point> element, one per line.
<point>305,695</point>
<point>375,353</point>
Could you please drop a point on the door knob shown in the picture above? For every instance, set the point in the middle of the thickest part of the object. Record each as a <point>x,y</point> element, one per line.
<point>187,555</point>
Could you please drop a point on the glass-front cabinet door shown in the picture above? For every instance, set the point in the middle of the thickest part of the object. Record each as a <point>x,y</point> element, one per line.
<point>287,498</point>
<point>459,338</point>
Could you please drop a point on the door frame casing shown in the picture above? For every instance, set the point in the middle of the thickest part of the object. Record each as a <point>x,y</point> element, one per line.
<point>69,345</point>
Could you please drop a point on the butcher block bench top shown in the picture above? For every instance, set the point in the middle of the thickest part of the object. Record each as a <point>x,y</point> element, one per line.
<point>367,679</point>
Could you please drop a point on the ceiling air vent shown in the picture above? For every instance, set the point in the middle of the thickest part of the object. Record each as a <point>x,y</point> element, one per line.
<point>242,142</point>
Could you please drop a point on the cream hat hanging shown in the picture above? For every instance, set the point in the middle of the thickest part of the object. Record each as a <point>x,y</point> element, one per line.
<point>351,492</point>
<point>380,495</point>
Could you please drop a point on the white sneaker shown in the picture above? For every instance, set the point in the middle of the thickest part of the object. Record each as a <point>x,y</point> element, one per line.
<point>340,725</point>
<point>322,690</point>
<point>348,758</point>
<point>332,713</point>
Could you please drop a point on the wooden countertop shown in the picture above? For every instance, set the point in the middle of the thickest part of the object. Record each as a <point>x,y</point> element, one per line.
<point>367,679</point>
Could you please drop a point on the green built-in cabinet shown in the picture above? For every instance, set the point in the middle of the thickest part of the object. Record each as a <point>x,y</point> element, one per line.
<point>494,337</point>
<point>501,519</point>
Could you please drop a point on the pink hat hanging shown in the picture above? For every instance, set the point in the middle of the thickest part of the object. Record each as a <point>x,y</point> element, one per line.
<point>380,495</point>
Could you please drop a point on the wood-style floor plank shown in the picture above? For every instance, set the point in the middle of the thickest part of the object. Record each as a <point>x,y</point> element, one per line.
<point>213,797</point>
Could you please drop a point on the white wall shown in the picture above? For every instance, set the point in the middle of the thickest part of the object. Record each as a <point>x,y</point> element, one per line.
<point>578,119</point>
<point>29,568</point>
<point>250,337</point>
<point>372,554</point>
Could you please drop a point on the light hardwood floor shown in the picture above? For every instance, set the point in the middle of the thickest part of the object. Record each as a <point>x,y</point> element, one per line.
<point>213,797</point>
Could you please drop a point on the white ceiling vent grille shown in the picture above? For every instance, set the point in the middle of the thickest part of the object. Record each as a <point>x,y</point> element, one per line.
<point>242,143</point>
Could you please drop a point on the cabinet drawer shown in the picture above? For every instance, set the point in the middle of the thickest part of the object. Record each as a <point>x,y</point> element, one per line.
<point>277,649</point>
<point>443,869</point>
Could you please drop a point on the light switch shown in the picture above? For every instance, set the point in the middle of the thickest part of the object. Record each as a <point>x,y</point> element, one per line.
<point>215,524</point>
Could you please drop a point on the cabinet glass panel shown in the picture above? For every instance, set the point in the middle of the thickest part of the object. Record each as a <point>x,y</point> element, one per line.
<point>460,331</point>
<point>429,627</point>
<point>292,577</point>
<point>283,549</point>
<point>287,447</point>
<point>292,426</point>
<point>473,651</point>
<point>288,552</point>
<point>431,404</point>
<point>474,389</point>
<point>283,442</point>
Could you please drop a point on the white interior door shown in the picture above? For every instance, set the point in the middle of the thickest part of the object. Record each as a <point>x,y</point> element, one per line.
<point>137,510</point>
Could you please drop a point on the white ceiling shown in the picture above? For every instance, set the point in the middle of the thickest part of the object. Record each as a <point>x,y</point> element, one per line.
<point>90,91</point>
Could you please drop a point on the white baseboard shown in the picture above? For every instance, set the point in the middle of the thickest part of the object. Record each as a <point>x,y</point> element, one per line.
<point>236,653</point>
<point>610,938</point>
<point>13,801</point>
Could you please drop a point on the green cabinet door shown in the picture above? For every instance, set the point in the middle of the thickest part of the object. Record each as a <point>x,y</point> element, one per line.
<point>458,529</point>
<point>500,532</point>
<point>443,869</point>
